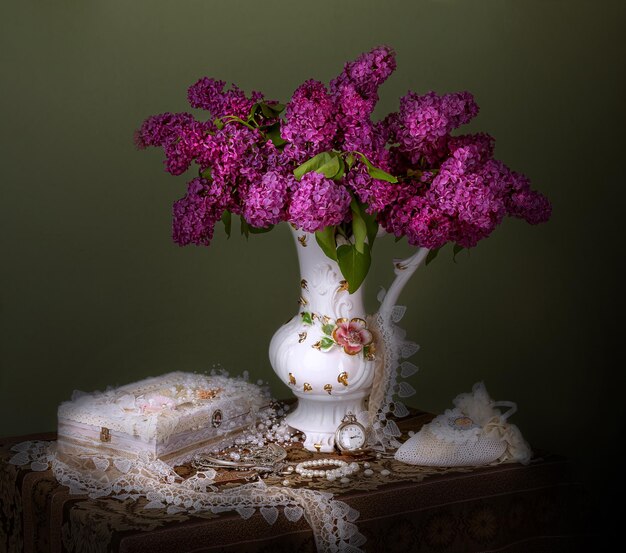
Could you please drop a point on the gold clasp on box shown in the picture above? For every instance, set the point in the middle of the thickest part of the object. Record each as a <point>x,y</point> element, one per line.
<point>105,434</point>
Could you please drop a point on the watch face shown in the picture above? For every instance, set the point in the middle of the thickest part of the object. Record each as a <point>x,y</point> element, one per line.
<point>351,436</point>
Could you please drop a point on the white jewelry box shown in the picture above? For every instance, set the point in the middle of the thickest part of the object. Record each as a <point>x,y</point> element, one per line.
<point>168,417</point>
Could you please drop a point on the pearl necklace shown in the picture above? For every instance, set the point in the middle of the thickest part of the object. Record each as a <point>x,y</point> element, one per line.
<point>343,469</point>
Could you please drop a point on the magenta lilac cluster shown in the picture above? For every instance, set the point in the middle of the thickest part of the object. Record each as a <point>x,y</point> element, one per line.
<point>245,149</point>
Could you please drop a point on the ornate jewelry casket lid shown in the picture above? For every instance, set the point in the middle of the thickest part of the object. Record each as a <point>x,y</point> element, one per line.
<point>166,416</point>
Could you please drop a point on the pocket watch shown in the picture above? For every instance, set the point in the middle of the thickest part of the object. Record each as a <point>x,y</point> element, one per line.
<point>350,435</point>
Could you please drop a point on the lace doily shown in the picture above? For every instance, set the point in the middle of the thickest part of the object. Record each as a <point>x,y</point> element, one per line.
<point>388,390</point>
<point>98,476</point>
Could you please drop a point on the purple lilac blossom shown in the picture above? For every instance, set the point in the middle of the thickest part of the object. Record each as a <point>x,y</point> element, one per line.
<point>195,215</point>
<point>266,200</point>
<point>422,125</point>
<point>366,73</point>
<point>209,94</point>
<point>310,119</point>
<point>450,189</point>
<point>158,130</point>
<point>318,202</point>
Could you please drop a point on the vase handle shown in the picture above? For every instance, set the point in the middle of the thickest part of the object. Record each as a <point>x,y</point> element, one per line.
<point>404,269</point>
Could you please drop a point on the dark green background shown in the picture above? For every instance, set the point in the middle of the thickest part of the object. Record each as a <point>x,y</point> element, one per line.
<point>94,293</point>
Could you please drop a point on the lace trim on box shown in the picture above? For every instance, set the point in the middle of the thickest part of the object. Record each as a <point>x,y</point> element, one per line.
<point>98,476</point>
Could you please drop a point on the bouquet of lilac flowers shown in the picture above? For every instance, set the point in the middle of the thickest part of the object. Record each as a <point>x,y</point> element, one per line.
<point>321,164</point>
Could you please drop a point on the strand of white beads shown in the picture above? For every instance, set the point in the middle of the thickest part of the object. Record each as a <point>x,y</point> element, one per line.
<point>308,468</point>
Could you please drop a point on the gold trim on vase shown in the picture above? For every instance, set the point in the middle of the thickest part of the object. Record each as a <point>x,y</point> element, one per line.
<point>307,387</point>
<point>304,284</point>
<point>292,379</point>
<point>342,378</point>
<point>328,388</point>
<point>343,286</point>
<point>302,239</point>
<point>301,337</point>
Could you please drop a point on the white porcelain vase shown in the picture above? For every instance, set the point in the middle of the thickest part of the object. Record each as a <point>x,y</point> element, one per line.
<point>325,353</point>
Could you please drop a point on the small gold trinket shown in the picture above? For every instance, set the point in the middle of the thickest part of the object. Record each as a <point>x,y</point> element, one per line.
<point>343,378</point>
<point>105,434</point>
<point>328,388</point>
<point>216,419</point>
<point>208,393</point>
<point>307,387</point>
<point>302,240</point>
<point>292,379</point>
<point>301,337</point>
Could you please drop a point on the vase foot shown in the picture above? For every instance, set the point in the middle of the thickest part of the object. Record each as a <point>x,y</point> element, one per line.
<point>319,418</point>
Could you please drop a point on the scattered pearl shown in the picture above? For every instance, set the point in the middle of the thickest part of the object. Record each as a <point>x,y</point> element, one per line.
<point>285,482</point>
<point>385,472</point>
<point>411,433</point>
<point>379,456</point>
<point>366,465</point>
<point>289,468</point>
<point>368,472</point>
<point>345,480</point>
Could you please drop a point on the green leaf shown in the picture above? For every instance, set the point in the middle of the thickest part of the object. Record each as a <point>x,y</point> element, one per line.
<point>326,240</point>
<point>273,133</point>
<point>431,256</point>
<point>330,168</point>
<point>206,174</point>
<point>271,111</point>
<point>326,343</point>
<point>350,159</point>
<point>398,238</point>
<point>227,220</point>
<point>365,223</point>
<point>268,111</point>
<point>354,265</point>
<point>245,227</point>
<point>341,171</point>
<point>377,173</point>
<point>328,328</point>
<point>359,229</point>
<point>253,111</point>
<point>456,250</point>
<point>312,164</point>
<point>306,318</point>
<point>371,225</point>
<point>257,230</point>
<point>218,123</point>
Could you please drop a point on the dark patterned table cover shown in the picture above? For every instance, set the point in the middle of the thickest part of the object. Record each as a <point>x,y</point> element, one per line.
<point>507,508</point>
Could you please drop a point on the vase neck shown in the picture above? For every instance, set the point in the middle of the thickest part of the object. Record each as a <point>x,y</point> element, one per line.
<point>324,289</point>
